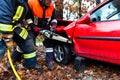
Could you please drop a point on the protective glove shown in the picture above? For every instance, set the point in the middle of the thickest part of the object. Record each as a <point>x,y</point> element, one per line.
<point>36,30</point>
<point>53,27</point>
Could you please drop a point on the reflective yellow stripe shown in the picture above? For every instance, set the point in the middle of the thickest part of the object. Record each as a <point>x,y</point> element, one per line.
<point>6,27</point>
<point>18,13</point>
<point>31,55</point>
<point>24,33</point>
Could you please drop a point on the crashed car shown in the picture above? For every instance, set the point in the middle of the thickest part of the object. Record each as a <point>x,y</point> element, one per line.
<point>96,35</point>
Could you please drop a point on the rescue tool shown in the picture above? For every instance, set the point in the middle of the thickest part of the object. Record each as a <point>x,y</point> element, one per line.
<point>54,36</point>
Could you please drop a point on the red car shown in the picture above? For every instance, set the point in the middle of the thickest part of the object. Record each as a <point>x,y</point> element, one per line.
<point>96,35</point>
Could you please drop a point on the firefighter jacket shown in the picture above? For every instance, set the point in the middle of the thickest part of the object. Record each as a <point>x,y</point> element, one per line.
<point>46,15</point>
<point>11,13</point>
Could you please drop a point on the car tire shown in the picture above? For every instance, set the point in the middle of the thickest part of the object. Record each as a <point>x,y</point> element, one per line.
<point>62,54</point>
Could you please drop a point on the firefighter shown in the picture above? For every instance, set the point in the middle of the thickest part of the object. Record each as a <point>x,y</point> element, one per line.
<point>12,13</point>
<point>46,19</point>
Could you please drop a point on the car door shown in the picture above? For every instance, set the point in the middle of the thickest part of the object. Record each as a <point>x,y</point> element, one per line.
<point>100,38</point>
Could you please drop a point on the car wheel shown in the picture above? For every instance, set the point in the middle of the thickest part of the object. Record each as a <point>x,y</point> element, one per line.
<point>62,54</point>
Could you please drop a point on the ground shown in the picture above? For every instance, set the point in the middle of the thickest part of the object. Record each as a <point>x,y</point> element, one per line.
<point>95,70</point>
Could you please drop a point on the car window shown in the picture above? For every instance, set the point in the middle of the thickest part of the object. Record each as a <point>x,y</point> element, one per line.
<point>109,11</point>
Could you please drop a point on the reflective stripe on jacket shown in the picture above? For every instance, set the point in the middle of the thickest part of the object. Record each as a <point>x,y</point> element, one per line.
<point>11,13</point>
<point>18,14</point>
<point>22,32</point>
<point>6,27</point>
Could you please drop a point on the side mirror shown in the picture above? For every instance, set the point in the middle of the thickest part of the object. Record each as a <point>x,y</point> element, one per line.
<point>84,19</point>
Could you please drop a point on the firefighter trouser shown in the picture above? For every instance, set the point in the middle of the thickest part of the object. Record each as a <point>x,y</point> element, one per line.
<point>48,44</point>
<point>49,49</point>
<point>27,46</point>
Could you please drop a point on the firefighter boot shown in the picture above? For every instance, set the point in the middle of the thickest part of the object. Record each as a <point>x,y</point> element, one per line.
<point>49,61</point>
<point>31,63</point>
<point>50,65</point>
<point>38,67</point>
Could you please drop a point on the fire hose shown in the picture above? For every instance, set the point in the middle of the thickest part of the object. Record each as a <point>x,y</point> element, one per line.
<point>2,52</point>
<point>54,36</point>
<point>12,66</point>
